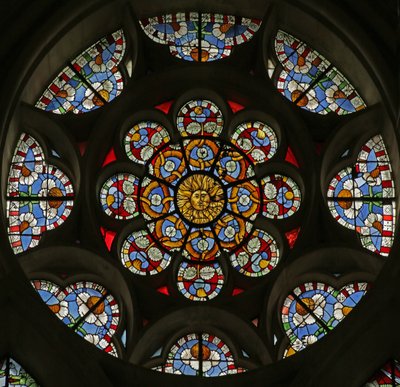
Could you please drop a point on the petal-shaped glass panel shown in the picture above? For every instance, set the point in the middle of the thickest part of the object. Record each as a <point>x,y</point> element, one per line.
<point>201,245</point>
<point>362,197</point>
<point>89,81</point>
<point>201,37</point>
<point>313,309</point>
<point>156,199</point>
<point>87,308</point>
<point>39,195</point>
<point>311,81</point>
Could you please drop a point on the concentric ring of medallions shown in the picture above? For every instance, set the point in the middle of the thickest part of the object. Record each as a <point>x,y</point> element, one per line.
<point>200,187</point>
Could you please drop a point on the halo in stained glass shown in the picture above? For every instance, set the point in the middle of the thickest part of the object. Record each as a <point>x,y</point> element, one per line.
<point>118,196</point>
<point>200,117</point>
<point>200,282</point>
<point>200,355</point>
<point>144,139</point>
<point>311,81</point>
<point>313,309</point>
<point>281,196</point>
<point>198,37</point>
<point>257,139</point>
<point>141,255</point>
<point>387,376</point>
<point>87,308</point>
<point>12,374</point>
<point>258,256</point>
<point>89,81</point>
<point>362,198</point>
<point>39,195</point>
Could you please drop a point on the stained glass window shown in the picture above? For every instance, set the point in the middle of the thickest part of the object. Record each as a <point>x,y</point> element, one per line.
<point>387,376</point>
<point>200,354</point>
<point>12,374</point>
<point>40,196</point>
<point>313,309</point>
<point>200,37</point>
<point>199,197</point>
<point>89,81</point>
<point>87,308</point>
<point>362,197</point>
<point>312,82</point>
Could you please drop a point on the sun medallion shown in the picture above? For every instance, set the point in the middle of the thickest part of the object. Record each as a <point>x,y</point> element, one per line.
<point>200,198</point>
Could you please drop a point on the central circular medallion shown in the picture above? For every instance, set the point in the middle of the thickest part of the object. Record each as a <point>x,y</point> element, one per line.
<point>200,198</point>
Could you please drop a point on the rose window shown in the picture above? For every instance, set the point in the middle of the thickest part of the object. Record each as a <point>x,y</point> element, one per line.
<point>196,199</point>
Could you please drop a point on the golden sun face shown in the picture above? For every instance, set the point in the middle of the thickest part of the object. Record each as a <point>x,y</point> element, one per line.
<point>200,198</point>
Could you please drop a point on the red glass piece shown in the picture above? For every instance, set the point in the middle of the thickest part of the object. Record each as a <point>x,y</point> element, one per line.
<point>291,158</point>
<point>236,107</point>
<point>108,237</point>
<point>291,236</point>
<point>109,158</point>
<point>165,106</point>
<point>163,290</point>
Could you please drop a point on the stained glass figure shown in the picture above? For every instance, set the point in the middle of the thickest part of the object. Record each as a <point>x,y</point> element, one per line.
<point>141,255</point>
<point>12,374</point>
<point>313,309</point>
<point>387,376</point>
<point>89,81</point>
<point>199,282</point>
<point>200,354</point>
<point>199,198</point>
<point>87,308</point>
<point>144,139</point>
<point>257,139</point>
<point>258,256</point>
<point>200,37</point>
<point>40,196</point>
<point>282,196</point>
<point>362,197</point>
<point>312,82</point>
<point>118,196</point>
<point>200,117</point>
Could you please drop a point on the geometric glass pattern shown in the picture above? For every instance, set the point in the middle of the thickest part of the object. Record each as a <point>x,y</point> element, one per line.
<point>313,309</point>
<point>89,81</point>
<point>200,355</point>
<point>200,37</point>
<point>199,198</point>
<point>311,81</point>
<point>362,197</point>
<point>39,195</point>
<point>12,374</point>
<point>387,376</point>
<point>87,308</point>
